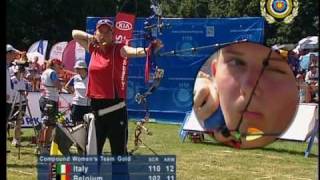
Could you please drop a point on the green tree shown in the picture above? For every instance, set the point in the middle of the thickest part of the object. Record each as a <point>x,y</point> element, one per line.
<point>31,20</point>
<point>305,24</point>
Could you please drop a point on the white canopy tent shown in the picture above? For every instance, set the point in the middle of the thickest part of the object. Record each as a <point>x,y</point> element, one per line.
<point>310,42</point>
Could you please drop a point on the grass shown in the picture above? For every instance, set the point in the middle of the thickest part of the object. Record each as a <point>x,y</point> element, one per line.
<point>280,160</point>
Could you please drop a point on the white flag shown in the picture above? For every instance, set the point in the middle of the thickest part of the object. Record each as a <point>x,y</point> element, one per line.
<point>40,47</point>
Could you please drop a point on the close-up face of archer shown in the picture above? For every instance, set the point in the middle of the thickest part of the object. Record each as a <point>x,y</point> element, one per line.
<point>104,33</point>
<point>257,93</point>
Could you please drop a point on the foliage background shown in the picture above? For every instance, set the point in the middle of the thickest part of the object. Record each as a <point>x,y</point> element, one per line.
<point>30,20</point>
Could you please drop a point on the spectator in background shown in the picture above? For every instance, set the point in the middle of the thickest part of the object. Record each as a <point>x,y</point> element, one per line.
<point>304,58</point>
<point>312,75</point>
<point>314,59</point>
<point>19,95</point>
<point>304,89</point>
<point>64,76</point>
<point>311,79</point>
<point>43,67</point>
<point>11,55</point>
<point>80,102</point>
<point>23,59</point>
<point>78,86</point>
<point>35,74</point>
<point>293,60</point>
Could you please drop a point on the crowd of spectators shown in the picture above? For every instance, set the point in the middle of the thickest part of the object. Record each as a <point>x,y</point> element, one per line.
<point>305,67</point>
<point>303,63</point>
<point>25,74</point>
<point>34,70</point>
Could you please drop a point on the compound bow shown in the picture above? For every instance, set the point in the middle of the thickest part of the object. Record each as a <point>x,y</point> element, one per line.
<point>150,32</point>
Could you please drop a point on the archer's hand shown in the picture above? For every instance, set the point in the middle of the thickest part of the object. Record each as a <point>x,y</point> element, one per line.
<point>205,99</point>
<point>229,141</point>
<point>156,45</point>
<point>94,39</point>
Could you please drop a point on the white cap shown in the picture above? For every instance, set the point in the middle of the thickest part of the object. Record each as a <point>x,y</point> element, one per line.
<point>11,48</point>
<point>80,64</point>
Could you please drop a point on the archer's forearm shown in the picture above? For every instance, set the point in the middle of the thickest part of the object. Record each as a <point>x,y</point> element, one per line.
<point>80,35</point>
<point>83,38</point>
<point>133,52</point>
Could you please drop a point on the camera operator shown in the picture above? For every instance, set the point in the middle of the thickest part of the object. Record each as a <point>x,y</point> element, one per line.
<point>11,55</point>
<point>20,93</point>
<point>49,89</point>
<point>23,62</point>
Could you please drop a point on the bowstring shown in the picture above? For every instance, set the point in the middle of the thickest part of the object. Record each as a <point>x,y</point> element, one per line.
<point>265,63</point>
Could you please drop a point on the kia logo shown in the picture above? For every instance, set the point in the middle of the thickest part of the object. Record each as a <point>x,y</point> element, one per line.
<point>124,25</point>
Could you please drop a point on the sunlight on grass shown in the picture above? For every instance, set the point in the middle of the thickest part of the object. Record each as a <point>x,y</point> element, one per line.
<point>280,160</point>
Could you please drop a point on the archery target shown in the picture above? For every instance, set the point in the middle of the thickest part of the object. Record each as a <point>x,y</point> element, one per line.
<point>279,8</point>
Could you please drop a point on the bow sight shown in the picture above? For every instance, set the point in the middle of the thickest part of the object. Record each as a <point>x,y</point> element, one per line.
<point>159,25</point>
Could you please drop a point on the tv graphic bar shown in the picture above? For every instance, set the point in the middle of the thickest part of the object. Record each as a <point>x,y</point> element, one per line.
<point>148,167</point>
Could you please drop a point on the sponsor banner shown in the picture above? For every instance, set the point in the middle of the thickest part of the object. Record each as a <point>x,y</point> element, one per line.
<point>124,27</point>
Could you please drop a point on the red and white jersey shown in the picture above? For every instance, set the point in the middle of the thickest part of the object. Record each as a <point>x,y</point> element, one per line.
<point>47,85</point>
<point>108,72</point>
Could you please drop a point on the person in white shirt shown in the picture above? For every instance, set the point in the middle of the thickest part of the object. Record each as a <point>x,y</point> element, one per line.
<point>48,101</point>
<point>312,75</point>
<point>78,86</point>
<point>11,55</point>
<point>311,79</point>
<point>19,96</point>
<point>80,102</point>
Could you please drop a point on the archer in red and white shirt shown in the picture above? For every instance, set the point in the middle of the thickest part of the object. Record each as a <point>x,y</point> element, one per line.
<point>108,83</point>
